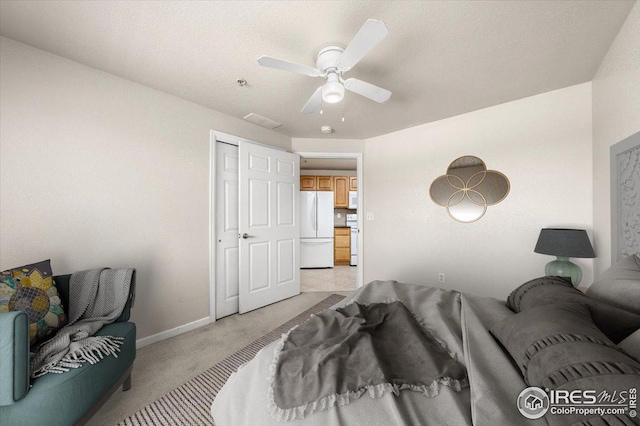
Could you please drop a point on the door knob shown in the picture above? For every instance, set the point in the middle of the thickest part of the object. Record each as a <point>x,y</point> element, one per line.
<point>245,236</point>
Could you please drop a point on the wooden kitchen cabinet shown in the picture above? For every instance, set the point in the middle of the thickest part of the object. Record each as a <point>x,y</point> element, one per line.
<point>325,183</point>
<point>353,183</point>
<point>341,191</point>
<point>308,183</point>
<point>342,246</point>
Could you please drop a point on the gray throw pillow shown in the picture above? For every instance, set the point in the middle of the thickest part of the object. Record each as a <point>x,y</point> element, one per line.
<point>527,334</point>
<point>557,346</point>
<point>614,322</point>
<point>619,285</point>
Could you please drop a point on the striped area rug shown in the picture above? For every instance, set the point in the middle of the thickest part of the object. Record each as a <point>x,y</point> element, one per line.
<point>189,404</point>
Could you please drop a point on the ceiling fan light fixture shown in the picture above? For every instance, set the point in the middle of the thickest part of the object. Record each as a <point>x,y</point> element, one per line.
<point>333,90</point>
<point>332,62</point>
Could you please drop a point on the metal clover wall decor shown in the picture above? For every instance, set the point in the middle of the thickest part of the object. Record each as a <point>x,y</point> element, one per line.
<point>468,188</point>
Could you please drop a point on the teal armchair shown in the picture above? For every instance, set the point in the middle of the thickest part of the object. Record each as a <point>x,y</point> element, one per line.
<point>65,399</point>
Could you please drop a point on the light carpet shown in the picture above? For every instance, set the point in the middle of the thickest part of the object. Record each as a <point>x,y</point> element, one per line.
<point>190,403</point>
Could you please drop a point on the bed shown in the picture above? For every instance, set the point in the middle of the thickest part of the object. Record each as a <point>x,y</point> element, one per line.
<point>484,335</point>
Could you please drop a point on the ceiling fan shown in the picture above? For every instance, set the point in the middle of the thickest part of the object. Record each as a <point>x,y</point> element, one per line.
<point>332,62</point>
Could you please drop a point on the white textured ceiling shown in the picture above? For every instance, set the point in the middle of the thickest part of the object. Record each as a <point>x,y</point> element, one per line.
<point>439,60</point>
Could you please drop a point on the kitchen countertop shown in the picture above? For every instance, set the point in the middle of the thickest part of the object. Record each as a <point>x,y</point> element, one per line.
<point>341,226</point>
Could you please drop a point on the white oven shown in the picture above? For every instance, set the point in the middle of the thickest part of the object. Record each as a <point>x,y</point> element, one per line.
<point>353,199</point>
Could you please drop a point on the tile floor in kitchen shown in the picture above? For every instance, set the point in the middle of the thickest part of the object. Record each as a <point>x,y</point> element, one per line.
<point>338,278</point>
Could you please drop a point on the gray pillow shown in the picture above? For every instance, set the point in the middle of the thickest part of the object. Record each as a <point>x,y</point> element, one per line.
<point>619,285</point>
<point>528,335</point>
<point>614,322</point>
<point>557,346</point>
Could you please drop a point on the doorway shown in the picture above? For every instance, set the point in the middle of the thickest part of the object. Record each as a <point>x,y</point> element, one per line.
<point>331,181</point>
<point>254,225</point>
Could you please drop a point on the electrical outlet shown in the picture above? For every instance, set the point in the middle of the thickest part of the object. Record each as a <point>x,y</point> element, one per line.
<point>369,216</point>
<point>441,277</point>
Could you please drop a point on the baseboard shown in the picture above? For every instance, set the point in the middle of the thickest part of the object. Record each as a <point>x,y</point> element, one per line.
<point>146,341</point>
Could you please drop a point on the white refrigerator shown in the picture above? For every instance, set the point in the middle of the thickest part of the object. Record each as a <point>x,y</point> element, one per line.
<point>316,229</point>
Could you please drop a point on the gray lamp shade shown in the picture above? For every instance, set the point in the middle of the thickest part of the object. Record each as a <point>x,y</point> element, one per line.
<point>564,243</point>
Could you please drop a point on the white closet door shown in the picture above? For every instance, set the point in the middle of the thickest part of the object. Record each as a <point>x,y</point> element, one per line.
<point>227,219</point>
<point>269,226</point>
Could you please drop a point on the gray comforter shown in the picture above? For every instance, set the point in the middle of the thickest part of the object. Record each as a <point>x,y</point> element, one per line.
<point>490,399</point>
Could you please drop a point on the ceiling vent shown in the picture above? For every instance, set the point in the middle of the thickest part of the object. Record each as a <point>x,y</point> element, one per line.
<point>262,121</point>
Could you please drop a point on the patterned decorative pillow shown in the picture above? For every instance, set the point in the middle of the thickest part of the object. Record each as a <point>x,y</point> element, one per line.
<point>31,288</point>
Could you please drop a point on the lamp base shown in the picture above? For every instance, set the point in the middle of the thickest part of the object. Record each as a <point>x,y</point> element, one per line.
<point>562,267</point>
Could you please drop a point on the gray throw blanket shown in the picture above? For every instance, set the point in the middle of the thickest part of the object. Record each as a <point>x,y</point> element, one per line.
<point>96,298</point>
<point>339,355</point>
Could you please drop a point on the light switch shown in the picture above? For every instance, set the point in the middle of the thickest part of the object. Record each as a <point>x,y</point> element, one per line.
<point>369,216</point>
<point>339,215</point>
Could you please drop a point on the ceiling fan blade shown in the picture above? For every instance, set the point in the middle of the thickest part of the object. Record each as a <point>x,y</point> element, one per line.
<point>314,103</point>
<point>268,61</point>
<point>371,33</point>
<point>367,90</point>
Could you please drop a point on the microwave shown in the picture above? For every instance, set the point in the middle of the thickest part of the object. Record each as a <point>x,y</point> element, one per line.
<point>353,199</point>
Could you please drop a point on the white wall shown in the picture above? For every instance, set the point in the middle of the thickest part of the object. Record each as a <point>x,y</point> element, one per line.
<point>327,145</point>
<point>311,172</point>
<point>616,116</point>
<point>542,144</point>
<point>100,171</point>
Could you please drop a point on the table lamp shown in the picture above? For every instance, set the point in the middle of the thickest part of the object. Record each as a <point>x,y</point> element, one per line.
<point>564,243</point>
